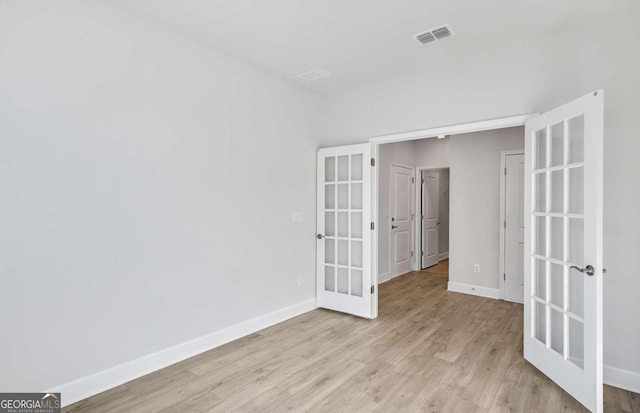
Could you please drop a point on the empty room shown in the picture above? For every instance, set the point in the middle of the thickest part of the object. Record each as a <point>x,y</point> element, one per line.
<point>339,206</point>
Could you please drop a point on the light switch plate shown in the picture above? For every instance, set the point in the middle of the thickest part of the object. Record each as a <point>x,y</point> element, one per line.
<point>297,217</point>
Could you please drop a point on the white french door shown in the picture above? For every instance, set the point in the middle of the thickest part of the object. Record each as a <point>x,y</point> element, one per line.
<point>563,244</point>
<point>343,276</point>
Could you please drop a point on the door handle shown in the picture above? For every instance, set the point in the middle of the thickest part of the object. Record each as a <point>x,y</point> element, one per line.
<point>589,270</point>
<point>586,270</point>
<point>319,236</point>
<point>394,226</point>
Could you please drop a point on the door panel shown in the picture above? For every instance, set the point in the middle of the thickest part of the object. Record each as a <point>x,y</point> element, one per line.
<point>430,217</point>
<point>563,245</point>
<point>343,221</point>
<point>514,230</point>
<point>401,219</point>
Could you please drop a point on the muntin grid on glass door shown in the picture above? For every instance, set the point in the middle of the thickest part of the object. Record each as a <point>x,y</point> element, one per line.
<point>557,238</point>
<point>343,224</point>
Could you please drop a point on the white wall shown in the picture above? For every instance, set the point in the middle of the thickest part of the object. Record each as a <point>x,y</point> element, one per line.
<point>497,82</point>
<point>431,152</point>
<point>146,191</point>
<point>475,204</point>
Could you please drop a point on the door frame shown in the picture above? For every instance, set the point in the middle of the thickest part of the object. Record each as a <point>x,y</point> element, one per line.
<point>418,207</point>
<point>503,212</point>
<point>483,125</point>
<point>413,212</point>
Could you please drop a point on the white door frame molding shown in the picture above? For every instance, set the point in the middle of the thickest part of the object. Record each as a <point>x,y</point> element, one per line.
<point>503,212</point>
<point>413,212</point>
<point>499,123</point>
<point>418,207</point>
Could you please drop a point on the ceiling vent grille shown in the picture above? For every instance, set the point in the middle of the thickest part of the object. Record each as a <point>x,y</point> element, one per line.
<point>312,75</point>
<point>437,33</point>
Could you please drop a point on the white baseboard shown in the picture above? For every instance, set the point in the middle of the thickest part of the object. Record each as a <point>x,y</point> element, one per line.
<point>613,376</point>
<point>87,386</point>
<point>474,290</point>
<point>624,379</point>
<point>443,256</point>
<point>383,278</point>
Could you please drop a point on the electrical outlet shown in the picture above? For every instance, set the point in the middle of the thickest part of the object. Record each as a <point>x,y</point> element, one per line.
<point>476,268</point>
<point>297,217</point>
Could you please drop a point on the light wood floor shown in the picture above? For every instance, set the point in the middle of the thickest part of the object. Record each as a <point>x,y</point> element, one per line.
<point>429,351</point>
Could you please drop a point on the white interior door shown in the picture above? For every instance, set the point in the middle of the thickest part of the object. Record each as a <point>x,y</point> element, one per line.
<point>514,229</point>
<point>563,241</point>
<point>430,217</point>
<point>401,208</point>
<point>343,277</point>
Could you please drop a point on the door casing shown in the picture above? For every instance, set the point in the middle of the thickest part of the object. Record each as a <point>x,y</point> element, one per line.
<point>499,123</point>
<point>503,213</point>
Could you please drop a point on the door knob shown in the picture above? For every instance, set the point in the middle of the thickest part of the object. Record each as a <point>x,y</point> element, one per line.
<point>394,226</point>
<point>319,236</point>
<point>589,270</point>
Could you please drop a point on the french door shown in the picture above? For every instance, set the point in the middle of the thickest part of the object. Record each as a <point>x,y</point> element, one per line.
<point>563,245</point>
<point>343,276</point>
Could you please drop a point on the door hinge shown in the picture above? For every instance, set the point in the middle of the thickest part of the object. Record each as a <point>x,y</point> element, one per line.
<point>423,181</point>
<point>412,253</point>
<point>505,171</point>
<point>372,289</point>
<point>421,252</point>
<point>505,223</point>
<point>373,162</point>
<point>412,216</point>
<point>413,179</point>
<point>373,226</point>
<point>504,277</point>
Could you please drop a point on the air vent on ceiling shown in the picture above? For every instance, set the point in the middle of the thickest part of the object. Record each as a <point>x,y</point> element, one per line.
<point>312,75</point>
<point>432,35</point>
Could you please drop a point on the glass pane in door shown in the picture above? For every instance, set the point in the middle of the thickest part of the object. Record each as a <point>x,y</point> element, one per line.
<point>557,238</point>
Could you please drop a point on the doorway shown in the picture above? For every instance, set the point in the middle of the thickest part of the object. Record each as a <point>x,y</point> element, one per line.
<point>434,216</point>
<point>512,225</point>
<point>563,229</point>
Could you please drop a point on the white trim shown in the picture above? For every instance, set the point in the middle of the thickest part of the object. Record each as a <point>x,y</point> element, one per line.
<point>407,136</point>
<point>454,129</point>
<point>95,383</point>
<point>624,379</point>
<point>383,278</point>
<point>474,290</point>
<point>375,178</point>
<point>443,255</point>
<point>503,213</point>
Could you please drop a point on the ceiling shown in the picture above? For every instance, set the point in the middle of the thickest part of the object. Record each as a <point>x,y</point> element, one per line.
<point>360,41</point>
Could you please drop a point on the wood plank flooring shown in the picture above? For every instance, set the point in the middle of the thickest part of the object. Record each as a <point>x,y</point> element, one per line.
<point>429,351</point>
